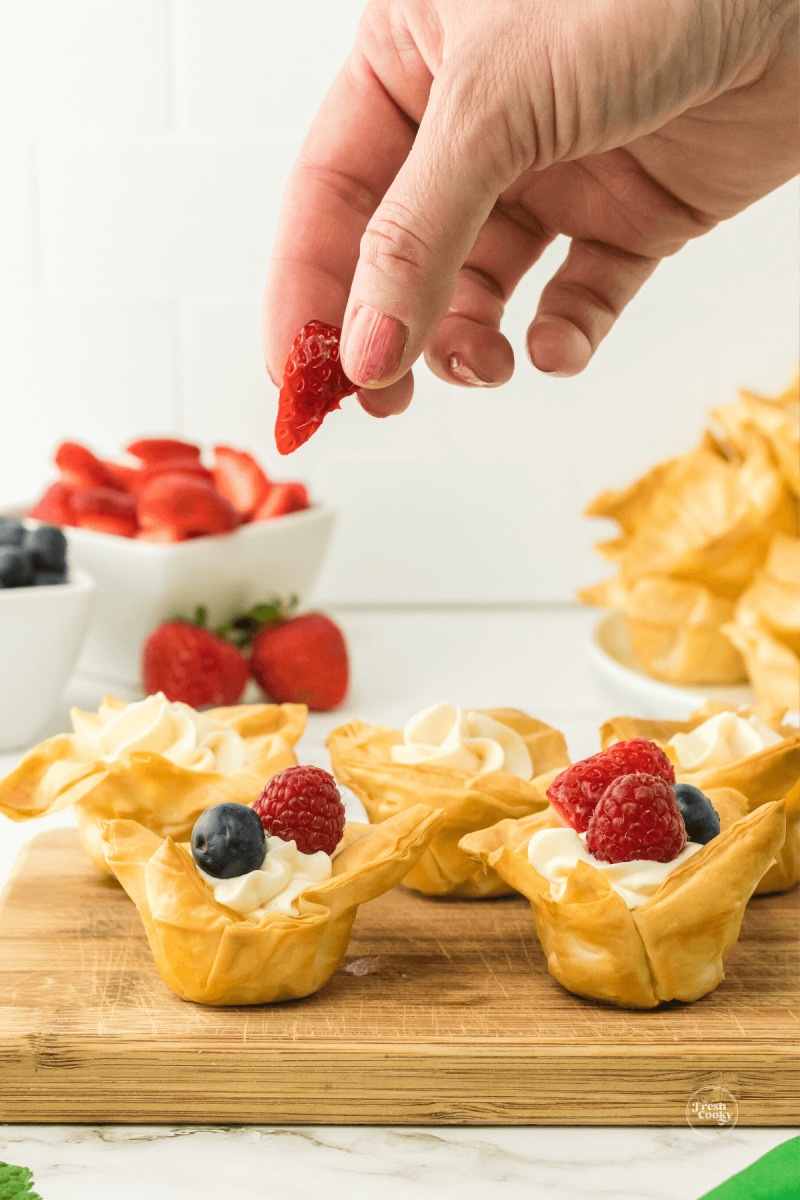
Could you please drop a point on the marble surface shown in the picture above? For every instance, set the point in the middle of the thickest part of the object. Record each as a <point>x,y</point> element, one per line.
<point>349,1163</point>
<point>403,660</point>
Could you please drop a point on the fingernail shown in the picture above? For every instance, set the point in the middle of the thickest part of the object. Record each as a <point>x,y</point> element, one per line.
<point>373,350</point>
<point>460,368</point>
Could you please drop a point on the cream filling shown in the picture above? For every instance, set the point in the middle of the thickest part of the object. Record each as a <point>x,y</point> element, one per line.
<point>554,852</point>
<point>722,739</point>
<point>275,886</point>
<point>175,731</point>
<point>443,736</point>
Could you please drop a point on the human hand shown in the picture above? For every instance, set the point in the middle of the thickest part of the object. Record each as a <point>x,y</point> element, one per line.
<point>462,136</point>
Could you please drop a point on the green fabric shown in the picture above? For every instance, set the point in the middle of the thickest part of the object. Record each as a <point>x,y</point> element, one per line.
<point>16,1183</point>
<point>776,1176</point>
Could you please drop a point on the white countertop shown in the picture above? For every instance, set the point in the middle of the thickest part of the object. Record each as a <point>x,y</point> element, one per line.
<point>403,660</point>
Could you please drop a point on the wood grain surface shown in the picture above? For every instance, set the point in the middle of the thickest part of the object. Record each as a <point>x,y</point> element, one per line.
<point>441,1013</point>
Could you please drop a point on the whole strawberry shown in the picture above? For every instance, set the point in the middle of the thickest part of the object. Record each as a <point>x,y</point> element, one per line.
<point>302,661</point>
<point>313,384</point>
<point>302,805</point>
<point>574,793</point>
<point>189,663</point>
<point>637,817</point>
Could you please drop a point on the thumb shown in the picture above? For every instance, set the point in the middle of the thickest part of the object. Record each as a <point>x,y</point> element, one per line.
<point>422,231</point>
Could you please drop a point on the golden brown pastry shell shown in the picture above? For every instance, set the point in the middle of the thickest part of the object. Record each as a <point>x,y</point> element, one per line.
<point>209,954</point>
<point>771,774</point>
<point>148,788</point>
<point>361,759</point>
<point>670,948</point>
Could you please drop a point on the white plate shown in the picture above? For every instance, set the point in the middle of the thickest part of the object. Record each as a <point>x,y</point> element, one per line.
<point>614,661</point>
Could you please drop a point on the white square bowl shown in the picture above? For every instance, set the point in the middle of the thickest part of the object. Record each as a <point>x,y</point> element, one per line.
<point>41,631</point>
<point>140,584</point>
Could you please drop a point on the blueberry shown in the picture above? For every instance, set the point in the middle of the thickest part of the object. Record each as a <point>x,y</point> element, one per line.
<point>228,840</point>
<point>699,815</point>
<point>47,547</point>
<point>15,567</point>
<point>46,578</point>
<point>12,531</point>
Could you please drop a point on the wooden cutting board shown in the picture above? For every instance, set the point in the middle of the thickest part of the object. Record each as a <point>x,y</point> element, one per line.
<point>442,1013</point>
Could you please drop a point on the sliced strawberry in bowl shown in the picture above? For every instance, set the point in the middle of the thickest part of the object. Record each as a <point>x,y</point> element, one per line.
<point>240,479</point>
<point>189,505</point>
<point>55,506</point>
<point>128,478</point>
<point>283,498</point>
<point>151,450</point>
<point>174,466</point>
<point>105,511</point>
<point>81,469</point>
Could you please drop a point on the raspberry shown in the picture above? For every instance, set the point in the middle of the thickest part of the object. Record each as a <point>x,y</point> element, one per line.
<point>641,757</point>
<point>303,805</point>
<point>575,792</point>
<point>637,817</point>
<point>313,384</point>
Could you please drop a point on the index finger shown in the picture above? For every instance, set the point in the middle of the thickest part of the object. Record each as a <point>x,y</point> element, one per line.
<point>355,147</point>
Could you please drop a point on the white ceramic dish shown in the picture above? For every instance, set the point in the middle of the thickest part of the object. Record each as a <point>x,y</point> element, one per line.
<point>41,631</point>
<point>641,696</point>
<point>140,584</point>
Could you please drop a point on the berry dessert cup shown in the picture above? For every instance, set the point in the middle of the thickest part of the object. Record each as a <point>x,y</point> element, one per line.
<point>632,912</point>
<point>741,758</point>
<point>154,762</point>
<point>245,915</point>
<point>479,767</point>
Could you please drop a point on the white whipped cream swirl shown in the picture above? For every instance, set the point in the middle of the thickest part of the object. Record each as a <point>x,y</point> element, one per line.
<point>277,883</point>
<point>722,739</point>
<point>554,852</point>
<point>174,730</point>
<point>443,736</point>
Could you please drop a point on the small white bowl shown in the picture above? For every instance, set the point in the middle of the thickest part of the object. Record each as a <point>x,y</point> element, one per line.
<point>41,631</point>
<point>140,584</point>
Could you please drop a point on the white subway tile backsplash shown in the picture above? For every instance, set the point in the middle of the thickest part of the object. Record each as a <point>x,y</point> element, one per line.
<point>259,67</point>
<point>154,219</point>
<point>17,217</point>
<point>85,65</point>
<point>98,372</point>
<point>440,531</point>
<point>228,396</point>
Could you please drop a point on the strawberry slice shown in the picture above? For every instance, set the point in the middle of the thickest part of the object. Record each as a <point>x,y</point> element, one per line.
<point>174,466</point>
<point>128,478</point>
<point>313,385</point>
<point>152,450</point>
<point>81,469</point>
<point>106,511</point>
<point>55,506</point>
<point>189,505</point>
<point>239,478</point>
<point>283,498</point>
